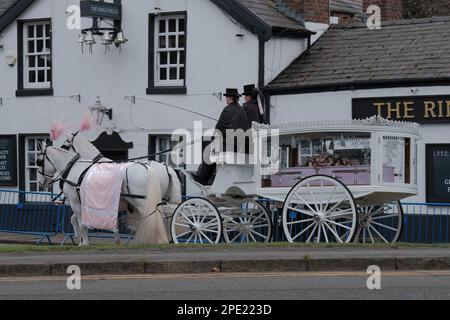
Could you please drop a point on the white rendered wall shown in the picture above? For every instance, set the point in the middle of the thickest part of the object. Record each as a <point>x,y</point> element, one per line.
<point>216,59</point>
<point>280,53</point>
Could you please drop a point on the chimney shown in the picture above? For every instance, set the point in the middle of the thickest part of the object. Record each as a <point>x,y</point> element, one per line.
<point>390,9</point>
<point>311,10</point>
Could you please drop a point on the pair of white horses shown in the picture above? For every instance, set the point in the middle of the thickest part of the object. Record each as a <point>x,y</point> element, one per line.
<point>152,180</point>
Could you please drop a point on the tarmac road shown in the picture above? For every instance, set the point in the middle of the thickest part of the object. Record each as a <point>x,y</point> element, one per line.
<point>430,285</point>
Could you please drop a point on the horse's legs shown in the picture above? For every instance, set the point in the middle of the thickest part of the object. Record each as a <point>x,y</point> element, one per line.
<point>117,235</point>
<point>75,225</point>
<point>84,234</point>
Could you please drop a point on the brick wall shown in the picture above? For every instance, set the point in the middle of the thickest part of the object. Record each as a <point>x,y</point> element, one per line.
<point>426,8</point>
<point>390,9</point>
<point>344,18</point>
<point>311,10</point>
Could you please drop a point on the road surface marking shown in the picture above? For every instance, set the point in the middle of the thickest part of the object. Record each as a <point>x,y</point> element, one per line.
<point>227,275</point>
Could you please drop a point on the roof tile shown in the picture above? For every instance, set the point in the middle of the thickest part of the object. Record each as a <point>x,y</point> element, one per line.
<point>5,4</point>
<point>267,10</point>
<point>413,49</point>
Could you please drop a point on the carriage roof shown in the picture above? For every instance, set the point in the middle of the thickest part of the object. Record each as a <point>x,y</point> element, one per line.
<point>375,123</point>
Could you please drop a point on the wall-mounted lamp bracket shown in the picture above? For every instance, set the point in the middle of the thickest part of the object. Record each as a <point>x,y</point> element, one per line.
<point>76,98</point>
<point>132,99</point>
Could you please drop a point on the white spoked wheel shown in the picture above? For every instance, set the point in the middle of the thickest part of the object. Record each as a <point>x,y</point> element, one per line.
<point>320,209</point>
<point>380,223</point>
<point>196,220</point>
<point>251,222</point>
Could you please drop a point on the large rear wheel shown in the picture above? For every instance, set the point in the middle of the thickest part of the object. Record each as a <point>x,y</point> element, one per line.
<point>319,209</point>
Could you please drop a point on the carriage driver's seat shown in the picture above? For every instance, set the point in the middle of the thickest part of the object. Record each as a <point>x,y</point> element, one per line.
<point>234,174</point>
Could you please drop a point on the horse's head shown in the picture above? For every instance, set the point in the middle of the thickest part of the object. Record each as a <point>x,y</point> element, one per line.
<point>77,144</point>
<point>47,169</point>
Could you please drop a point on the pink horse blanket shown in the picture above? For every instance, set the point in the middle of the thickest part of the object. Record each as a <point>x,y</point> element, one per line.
<point>100,195</point>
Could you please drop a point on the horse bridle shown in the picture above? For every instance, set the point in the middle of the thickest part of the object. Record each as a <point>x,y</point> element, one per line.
<point>41,164</point>
<point>70,143</point>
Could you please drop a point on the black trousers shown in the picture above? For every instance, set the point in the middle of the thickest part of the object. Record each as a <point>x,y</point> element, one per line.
<point>206,173</point>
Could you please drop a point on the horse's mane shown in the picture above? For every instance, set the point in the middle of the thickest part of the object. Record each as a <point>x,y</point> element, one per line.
<point>59,149</point>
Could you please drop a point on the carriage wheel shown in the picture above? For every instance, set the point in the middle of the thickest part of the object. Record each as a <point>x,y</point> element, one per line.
<point>251,222</point>
<point>196,220</point>
<point>320,209</point>
<point>380,223</point>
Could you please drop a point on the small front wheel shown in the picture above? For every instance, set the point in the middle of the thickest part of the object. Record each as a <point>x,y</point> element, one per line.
<point>380,223</point>
<point>249,223</point>
<point>196,220</point>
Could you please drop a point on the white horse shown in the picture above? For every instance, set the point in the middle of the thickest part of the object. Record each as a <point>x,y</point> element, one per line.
<point>149,227</point>
<point>168,178</point>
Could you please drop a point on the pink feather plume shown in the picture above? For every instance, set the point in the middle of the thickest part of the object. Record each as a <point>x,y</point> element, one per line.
<point>57,130</point>
<point>86,123</point>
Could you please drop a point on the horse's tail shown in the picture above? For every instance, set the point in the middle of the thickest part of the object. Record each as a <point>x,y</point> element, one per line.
<point>175,187</point>
<point>151,228</point>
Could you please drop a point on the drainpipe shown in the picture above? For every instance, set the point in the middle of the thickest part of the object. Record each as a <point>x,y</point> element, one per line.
<point>262,76</point>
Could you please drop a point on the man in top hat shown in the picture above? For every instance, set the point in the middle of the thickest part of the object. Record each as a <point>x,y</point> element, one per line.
<point>233,117</point>
<point>252,105</point>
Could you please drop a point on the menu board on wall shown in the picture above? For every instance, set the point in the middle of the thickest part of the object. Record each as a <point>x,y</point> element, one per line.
<point>8,161</point>
<point>438,173</point>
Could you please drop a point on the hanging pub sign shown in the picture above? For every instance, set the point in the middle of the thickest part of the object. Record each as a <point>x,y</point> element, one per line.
<point>8,161</point>
<point>438,173</point>
<point>101,9</point>
<point>421,109</point>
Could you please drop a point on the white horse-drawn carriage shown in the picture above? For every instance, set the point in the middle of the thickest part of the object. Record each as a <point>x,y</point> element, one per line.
<point>333,181</point>
<point>336,181</point>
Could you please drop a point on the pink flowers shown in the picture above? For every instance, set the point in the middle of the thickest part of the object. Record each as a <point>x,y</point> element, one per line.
<point>57,130</point>
<point>86,123</point>
<point>59,127</point>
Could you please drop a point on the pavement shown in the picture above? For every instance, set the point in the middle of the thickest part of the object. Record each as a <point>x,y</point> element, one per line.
<point>202,260</point>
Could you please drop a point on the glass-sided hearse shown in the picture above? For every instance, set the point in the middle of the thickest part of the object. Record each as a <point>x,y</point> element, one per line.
<point>336,181</point>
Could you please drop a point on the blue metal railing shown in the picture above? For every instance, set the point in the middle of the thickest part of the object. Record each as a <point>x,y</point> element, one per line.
<point>426,222</point>
<point>33,213</point>
<point>422,223</point>
<point>30,213</point>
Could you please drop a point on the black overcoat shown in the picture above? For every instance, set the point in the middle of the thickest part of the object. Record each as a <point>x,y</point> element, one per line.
<point>251,109</point>
<point>233,117</point>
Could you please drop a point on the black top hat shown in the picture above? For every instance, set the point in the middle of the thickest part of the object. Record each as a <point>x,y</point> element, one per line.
<point>250,90</point>
<point>231,93</point>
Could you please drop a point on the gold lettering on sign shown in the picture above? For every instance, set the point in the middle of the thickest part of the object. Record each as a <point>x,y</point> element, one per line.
<point>429,109</point>
<point>395,110</point>
<point>409,109</point>
<point>379,106</point>
<point>440,105</point>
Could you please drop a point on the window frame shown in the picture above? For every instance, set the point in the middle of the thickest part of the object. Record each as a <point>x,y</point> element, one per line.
<point>153,86</point>
<point>23,88</point>
<point>23,166</point>
<point>155,147</point>
<point>29,167</point>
